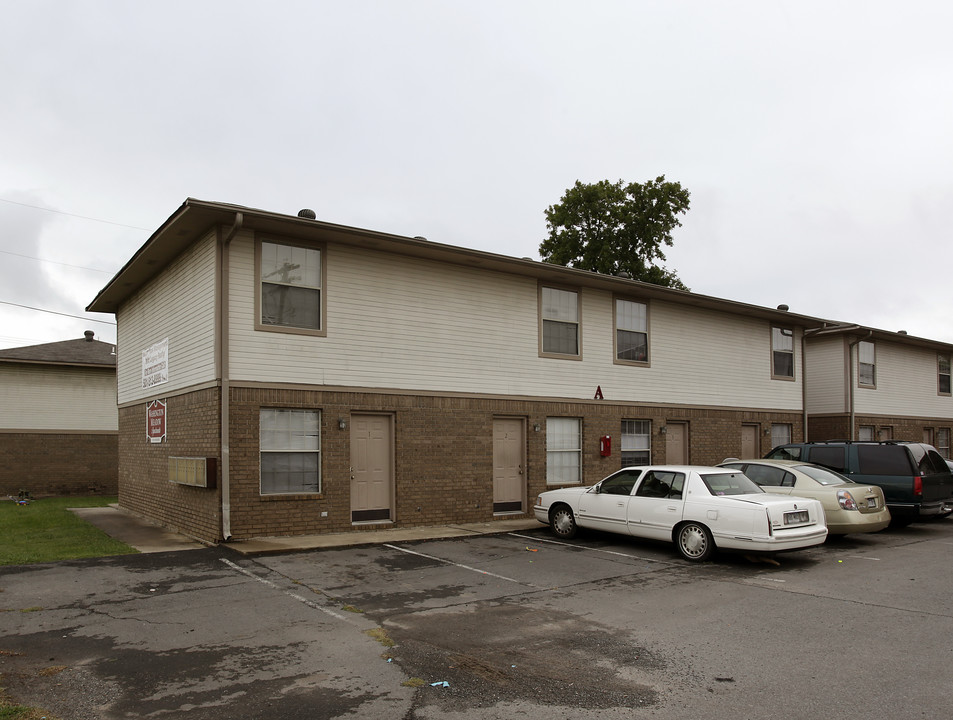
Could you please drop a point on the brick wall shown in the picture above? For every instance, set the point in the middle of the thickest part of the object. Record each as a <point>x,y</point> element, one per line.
<point>837,427</point>
<point>443,456</point>
<point>58,463</point>
<point>192,423</point>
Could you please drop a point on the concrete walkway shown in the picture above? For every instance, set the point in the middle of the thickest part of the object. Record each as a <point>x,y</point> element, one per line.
<point>148,537</point>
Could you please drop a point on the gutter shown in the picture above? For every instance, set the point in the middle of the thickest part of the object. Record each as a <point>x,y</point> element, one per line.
<point>224,368</point>
<point>850,380</point>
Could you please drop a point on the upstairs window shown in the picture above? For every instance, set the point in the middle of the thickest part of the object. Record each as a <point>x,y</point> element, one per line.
<point>559,310</point>
<point>866,364</point>
<point>943,374</point>
<point>292,280</point>
<point>782,353</point>
<point>631,332</point>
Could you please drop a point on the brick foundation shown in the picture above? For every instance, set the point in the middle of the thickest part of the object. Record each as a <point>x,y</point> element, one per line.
<point>45,464</point>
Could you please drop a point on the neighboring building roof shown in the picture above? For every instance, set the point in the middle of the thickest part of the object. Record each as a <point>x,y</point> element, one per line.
<point>85,352</point>
<point>196,217</point>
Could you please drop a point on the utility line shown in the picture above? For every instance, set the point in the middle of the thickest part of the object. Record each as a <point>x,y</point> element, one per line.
<point>53,312</point>
<point>81,217</point>
<point>78,267</point>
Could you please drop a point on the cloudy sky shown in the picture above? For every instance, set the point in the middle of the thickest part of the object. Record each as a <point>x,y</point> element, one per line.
<point>816,138</point>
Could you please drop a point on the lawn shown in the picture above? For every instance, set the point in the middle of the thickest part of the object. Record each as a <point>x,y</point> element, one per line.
<point>45,531</point>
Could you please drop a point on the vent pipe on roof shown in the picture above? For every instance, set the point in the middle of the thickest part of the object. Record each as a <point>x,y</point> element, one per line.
<point>901,332</point>
<point>783,308</point>
<point>89,335</point>
<point>307,213</point>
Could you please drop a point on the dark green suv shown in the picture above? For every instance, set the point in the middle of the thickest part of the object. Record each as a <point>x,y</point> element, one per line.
<point>915,478</point>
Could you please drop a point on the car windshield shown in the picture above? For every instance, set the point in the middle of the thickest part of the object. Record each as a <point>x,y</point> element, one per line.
<point>734,483</point>
<point>823,475</point>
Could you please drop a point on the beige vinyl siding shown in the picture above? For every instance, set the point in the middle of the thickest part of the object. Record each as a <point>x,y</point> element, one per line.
<point>826,375</point>
<point>178,305</point>
<point>906,384</point>
<point>61,398</point>
<point>402,323</point>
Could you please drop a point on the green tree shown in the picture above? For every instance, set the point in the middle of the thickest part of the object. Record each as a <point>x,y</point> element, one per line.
<point>613,228</point>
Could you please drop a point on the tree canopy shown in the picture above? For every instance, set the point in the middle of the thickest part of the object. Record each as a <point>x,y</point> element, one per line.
<point>613,228</point>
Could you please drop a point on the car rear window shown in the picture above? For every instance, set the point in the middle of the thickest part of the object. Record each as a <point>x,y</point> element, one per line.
<point>884,460</point>
<point>785,453</point>
<point>734,483</point>
<point>831,457</point>
<point>823,475</point>
<point>933,463</point>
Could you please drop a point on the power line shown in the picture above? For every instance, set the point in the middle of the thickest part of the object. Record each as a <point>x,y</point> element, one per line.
<point>53,312</point>
<point>81,217</point>
<point>78,267</point>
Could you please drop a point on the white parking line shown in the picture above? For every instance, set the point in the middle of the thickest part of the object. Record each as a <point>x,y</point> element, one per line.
<point>293,596</point>
<point>582,547</point>
<point>459,565</point>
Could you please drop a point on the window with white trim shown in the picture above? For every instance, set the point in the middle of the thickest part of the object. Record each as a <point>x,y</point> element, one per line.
<point>636,446</point>
<point>559,311</point>
<point>865,433</point>
<point>563,451</point>
<point>290,451</point>
<point>782,353</point>
<point>780,434</point>
<point>943,374</point>
<point>866,364</point>
<point>631,331</point>
<point>291,286</point>
<point>943,441</point>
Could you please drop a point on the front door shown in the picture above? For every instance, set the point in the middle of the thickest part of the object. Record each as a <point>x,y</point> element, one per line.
<point>749,442</point>
<point>676,443</point>
<point>372,468</point>
<point>509,479</point>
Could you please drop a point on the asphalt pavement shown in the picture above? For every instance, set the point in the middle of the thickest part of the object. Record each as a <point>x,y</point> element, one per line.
<point>148,537</point>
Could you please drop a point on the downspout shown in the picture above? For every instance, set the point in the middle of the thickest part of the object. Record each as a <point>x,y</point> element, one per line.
<point>223,356</point>
<point>850,380</point>
<point>804,335</point>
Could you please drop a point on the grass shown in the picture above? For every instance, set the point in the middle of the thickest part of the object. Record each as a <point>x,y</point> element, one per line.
<point>46,531</point>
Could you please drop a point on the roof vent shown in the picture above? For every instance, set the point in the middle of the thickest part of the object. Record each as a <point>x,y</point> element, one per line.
<point>901,332</point>
<point>624,274</point>
<point>307,213</point>
<point>783,308</point>
<point>89,335</point>
<point>420,237</point>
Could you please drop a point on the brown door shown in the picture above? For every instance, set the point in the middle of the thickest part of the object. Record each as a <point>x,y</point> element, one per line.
<point>749,442</point>
<point>372,468</point>
<point>676,443</point>
<point>509,486</point>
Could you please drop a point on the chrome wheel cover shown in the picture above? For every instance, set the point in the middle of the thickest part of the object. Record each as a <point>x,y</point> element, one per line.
<point>693,541</point>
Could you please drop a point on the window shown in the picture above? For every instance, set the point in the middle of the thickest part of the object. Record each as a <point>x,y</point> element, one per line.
<point>292,280</point>
<point>782,353</point>
<point>559,310</point>
<point>865,433</point>
<point>661,484</point>
<point>563,451</point>
<point>943,374</point>
<point>631,331</point>
<point>943,441</point>
<point>621,483</point>
<point>290,445</point>
<point>866,367</point>
<point>636,446</point>
<point>768,475</point>
<point>780,434</point>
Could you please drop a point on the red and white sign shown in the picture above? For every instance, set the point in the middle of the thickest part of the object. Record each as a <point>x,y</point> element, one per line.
<point>155,421</point>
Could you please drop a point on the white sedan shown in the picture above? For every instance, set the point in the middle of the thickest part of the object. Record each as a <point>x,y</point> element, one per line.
<point>698,508</point>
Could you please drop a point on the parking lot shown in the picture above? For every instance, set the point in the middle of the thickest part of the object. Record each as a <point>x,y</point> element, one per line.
<point>509,625</point>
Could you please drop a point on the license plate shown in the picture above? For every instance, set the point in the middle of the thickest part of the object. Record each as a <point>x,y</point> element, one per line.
<point>795,518</point>
<point>871,502</point>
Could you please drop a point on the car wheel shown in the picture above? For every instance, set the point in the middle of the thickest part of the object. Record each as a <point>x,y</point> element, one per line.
<point>694,542</point>
<point>562,522</point>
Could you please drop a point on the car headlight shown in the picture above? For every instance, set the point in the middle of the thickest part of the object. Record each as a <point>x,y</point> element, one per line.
<point>846,500</point>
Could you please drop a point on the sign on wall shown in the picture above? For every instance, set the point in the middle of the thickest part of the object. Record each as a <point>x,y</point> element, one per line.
<point>155,364</point>
<point>155,421</point>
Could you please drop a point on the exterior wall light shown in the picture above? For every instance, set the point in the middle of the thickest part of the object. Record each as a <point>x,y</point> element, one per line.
<point>342,424</point>
<point>663,430</point>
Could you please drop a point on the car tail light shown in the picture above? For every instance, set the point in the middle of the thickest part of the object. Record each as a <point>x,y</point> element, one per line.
<point>846,500</point>
<point>918,485</point>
